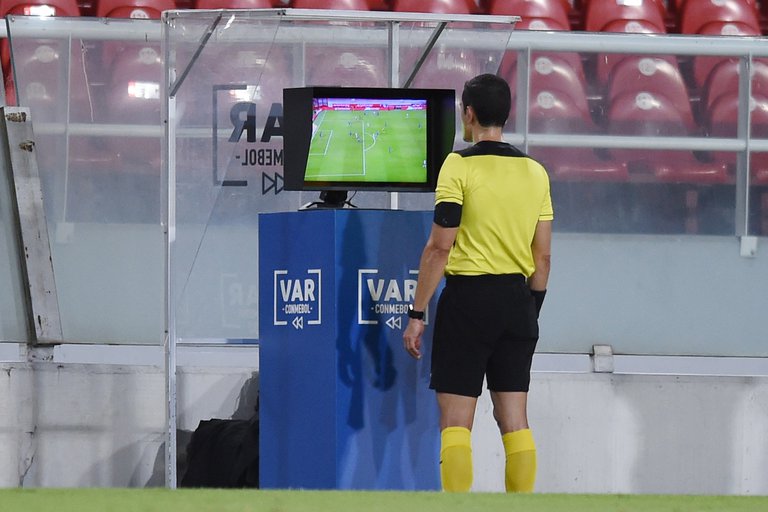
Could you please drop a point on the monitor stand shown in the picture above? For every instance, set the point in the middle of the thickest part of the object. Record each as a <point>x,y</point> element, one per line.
<point>330,199</point>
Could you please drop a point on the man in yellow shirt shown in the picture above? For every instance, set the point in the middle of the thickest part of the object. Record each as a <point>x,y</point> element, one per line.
<point>491,240</point>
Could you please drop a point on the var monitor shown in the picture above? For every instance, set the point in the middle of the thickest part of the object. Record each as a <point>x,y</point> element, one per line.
<point>345,138</point>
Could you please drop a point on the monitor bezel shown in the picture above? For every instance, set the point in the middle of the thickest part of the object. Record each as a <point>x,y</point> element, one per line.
<point>297,135</point>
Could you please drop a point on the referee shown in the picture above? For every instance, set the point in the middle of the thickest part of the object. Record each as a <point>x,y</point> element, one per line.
<point>491,239</point>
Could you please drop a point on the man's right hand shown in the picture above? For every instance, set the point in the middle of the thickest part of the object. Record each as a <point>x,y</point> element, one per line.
<point>412,337</point>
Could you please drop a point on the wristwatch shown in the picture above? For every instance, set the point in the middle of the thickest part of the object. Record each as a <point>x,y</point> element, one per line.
<point>416,315</point>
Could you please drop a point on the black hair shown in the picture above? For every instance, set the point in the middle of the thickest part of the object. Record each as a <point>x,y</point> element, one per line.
<point>490,97</point>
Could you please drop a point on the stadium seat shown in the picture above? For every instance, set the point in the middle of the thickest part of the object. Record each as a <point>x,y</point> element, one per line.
<point>339,65</point>
<point>724,80</point>
<point>541,24</point>
<point>436,6</point>
<point>444,68</point>
<point>607,61</point>
<point>678,5</point>
<point>556,23</point>
<point>722,120</point>
<point>347,67</point>
<point>554,10</point>
<point>48,73</point>
<point>551,72</point>
<point>31,8</point>
<point>139,9</point>
<point>380,5</point>
<point>40,7</point>
<point>698,13</point>
<point>553,111</point>
<point>344,5</point>
<point>134,99</point>
<point>703,66</point>
<point>600,13</point>
<point>656,75</point>
<point>503,6</point>
<point>233,4</point>
<point>243,73</point>
<point>646,114</point>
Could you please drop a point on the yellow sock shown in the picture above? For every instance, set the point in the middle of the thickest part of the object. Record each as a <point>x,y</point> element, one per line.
<point>456,459</point>
<point>520,471</point>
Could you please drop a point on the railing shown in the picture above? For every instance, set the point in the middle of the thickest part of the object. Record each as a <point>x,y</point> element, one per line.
<point>101,171</point>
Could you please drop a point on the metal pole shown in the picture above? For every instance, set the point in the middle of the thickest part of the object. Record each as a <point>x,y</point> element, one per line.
<point>169,152</point>
<point>394,77</point>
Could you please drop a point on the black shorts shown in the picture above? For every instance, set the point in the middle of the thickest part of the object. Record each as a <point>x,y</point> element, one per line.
<point>486,326</point>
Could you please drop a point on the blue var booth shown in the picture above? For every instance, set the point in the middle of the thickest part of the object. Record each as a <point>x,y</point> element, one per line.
<point>342,405</point>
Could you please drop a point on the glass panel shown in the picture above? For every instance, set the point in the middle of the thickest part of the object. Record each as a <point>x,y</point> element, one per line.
<point>95,106</point>
<point>758,194</point>
<point>95,102</point>
<point>236,82</point>
<point>13,326</point>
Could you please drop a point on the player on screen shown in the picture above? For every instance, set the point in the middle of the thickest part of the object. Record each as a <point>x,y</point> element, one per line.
<point>491,239</point>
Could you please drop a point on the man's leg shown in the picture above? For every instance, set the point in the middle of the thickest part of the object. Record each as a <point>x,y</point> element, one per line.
<point>457,413</point>
<point>510,411</point>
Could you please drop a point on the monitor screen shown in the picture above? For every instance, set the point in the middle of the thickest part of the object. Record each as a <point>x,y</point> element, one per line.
<point>338,138</point>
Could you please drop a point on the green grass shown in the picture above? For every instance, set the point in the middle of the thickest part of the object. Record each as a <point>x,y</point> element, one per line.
<point>212,500</point>
<point>396,154</point>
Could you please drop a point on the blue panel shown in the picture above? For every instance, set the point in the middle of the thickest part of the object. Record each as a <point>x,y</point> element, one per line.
<point>342,404</point>
<point>297,374</point>
<point>388,431</point>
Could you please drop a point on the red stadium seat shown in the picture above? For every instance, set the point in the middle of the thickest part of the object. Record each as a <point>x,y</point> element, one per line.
<point>436,6</point>
<point>40,7</point>
<point>601,12</point>
<point>657,75</point>
<point>343,5</point>
<point>553,73</point>
<point>607,61</point>
<point>347,67</point>
<point>698,13</point>
<point>679,5</point>
<point>445,67</point>
<point>722,119</point>
<point>502,6</point>
<point>724,80</point>
<point>31,8</point>
<point>380,5</point>
<point>233,4</point>
<point>553,111</point>
<point>541,24</point>
<point>138,9</point>
<point>532,22</point>
<point>554,10</point>
<point>703,66</point>
<point>646,114</point>
<point>134,99</point>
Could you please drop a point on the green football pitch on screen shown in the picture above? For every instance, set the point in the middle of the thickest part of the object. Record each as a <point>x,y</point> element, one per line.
<point>385,146</point>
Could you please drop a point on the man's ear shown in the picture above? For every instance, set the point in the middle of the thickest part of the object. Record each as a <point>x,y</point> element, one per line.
<point>469,113</point>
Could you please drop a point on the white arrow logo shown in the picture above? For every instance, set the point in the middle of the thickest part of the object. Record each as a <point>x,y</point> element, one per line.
<point>298,322</point>
<point>395,322</point>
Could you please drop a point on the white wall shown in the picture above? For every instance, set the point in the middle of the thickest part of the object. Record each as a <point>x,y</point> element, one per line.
<point>603,433</point>
<point>78,425</point>
<point>81,425</point>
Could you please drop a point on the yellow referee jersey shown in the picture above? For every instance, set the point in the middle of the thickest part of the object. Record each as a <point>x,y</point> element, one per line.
<point>503,194</point>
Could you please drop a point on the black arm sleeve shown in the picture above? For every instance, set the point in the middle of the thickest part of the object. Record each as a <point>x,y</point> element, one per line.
<point>448,215</point>
<point>538,296</point>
